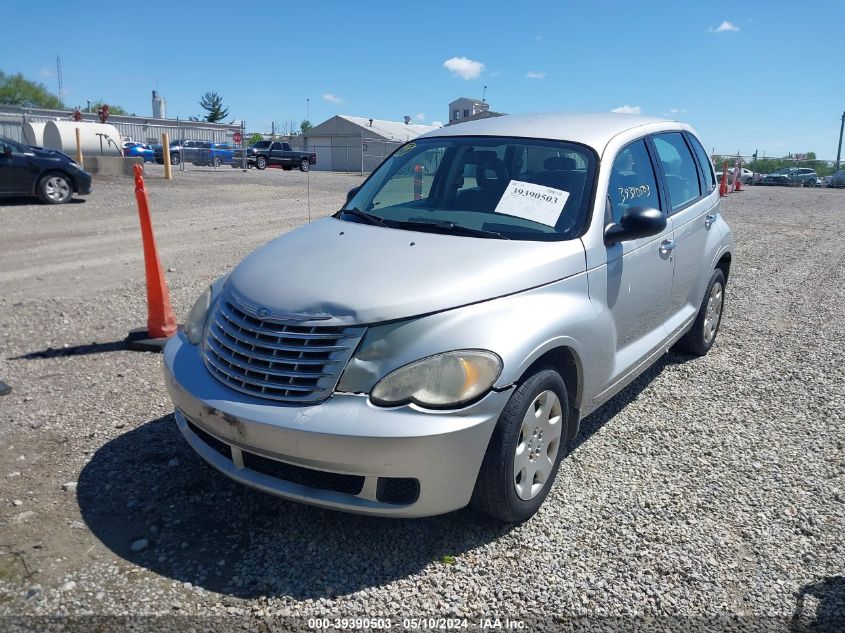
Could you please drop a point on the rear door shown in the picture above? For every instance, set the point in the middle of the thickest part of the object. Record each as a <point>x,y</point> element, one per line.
<point>275,155</point>
<point>690,204</point>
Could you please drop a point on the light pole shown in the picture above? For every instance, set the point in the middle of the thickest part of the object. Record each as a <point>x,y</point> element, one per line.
<point>839,150</point>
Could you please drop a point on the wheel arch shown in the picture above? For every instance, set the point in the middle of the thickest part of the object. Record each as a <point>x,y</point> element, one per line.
<point>724,264</point>
<point>59,172</point>
<point>567,362</point>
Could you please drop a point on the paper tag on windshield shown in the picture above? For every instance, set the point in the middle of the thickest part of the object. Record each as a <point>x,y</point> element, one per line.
<point>537,203</point>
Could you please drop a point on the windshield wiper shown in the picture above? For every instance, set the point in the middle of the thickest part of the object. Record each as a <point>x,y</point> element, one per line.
<point>369,218</point>
<point>444,226</point>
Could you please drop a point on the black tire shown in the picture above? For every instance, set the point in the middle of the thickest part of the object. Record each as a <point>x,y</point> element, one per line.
<point>54,188</point>
<point>175,158</point>
<point>304,165</point>
<point>495,491</point>
<point>216,162</point>
<point>260,163</point>
<point>696,341</point>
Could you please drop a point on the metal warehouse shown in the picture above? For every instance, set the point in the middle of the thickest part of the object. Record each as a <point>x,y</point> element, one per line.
<point>351,143</point>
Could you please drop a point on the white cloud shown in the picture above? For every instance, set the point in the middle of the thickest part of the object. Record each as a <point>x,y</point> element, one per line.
<point>437,123</point>
<point>420,116</point>
<point>724,27</point>
<point>46,72</point>
<point>627,109</point>
<point>332,97</point>
<point>539,37</point>
<point>533,74</point>
<point>464,67</point>
<point>496,73</point>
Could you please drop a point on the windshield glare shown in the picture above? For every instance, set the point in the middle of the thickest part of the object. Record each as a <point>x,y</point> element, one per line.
<point>529,189</point>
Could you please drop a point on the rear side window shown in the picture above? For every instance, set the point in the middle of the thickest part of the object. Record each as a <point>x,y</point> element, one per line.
<point>678,168</point>
<point>632,181</point>
<point>704,162</point>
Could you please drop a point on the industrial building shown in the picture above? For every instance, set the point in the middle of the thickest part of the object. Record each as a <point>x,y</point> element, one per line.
<point>351,143</point>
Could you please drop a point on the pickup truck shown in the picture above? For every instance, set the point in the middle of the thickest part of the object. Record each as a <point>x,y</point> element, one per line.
<point>278,153</point>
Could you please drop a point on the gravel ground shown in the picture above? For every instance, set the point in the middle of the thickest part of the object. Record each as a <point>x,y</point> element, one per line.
<point>709,493</point>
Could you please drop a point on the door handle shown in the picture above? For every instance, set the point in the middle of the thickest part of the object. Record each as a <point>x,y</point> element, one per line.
<point>667,246</point>
<point>709,219</point>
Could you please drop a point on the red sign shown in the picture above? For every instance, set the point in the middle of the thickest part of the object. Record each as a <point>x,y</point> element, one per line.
<point>236,137</point>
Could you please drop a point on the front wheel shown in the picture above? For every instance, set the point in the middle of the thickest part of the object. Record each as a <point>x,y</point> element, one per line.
<point>702,334</point>
<point>304,165</point>
<point>260,163</point>
<point>524,453</point>
<point>54,189</point>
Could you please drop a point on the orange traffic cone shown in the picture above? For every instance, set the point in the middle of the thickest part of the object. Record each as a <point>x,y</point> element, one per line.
<point>723,186</point>
<point>161,323</point>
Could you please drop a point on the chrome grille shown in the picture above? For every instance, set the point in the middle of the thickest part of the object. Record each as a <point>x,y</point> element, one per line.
<point>275,358</point>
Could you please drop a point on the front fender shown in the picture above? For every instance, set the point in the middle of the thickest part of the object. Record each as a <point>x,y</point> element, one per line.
<point>520,328</point>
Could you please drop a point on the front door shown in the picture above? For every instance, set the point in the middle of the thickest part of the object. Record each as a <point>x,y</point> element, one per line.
<point>639,272</point>
<point>15,173</point>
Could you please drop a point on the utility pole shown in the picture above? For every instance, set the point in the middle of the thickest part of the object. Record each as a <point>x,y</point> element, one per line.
<point>839,151</point>
<point>59,77</point>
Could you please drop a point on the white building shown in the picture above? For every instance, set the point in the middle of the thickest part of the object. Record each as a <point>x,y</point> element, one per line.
<point>345,143</point>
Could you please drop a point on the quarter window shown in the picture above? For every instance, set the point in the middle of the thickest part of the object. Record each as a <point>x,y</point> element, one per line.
<point>704,161</point>
<point>632,181</point>
<point>678,168</point>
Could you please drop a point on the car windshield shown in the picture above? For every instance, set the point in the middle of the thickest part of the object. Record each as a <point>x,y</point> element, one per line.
<point>511,188</point>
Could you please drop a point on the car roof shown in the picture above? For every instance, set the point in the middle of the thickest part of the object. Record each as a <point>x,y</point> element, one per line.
<point>592,129</point>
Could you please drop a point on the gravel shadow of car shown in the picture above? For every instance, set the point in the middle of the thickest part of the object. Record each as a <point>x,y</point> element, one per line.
<point>15,201</point>
<point>152,501</point>
<point>828,614</point>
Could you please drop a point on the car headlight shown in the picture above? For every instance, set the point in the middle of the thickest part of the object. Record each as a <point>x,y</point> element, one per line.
<point>442,380</point>
<point>195,323</point>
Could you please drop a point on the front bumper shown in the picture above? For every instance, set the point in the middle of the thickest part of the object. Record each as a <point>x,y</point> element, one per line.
<point>345,435</point>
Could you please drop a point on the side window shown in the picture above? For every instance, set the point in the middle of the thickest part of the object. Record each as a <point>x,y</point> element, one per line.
<point>632,181</point>
<point>286,147</point>
<point>12,147</point>
<point>678,168</point>
<point>704,162</point>
<point>276,146</point>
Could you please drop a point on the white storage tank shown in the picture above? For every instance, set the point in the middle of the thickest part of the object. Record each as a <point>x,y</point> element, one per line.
<point>96,139</point>
<point>33,133</point>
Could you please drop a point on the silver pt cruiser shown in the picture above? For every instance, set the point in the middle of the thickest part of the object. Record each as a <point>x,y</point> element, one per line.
<point>436,342</point>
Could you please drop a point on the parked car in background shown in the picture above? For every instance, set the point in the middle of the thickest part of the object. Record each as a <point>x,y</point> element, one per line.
<point>803,176</point>
<point>46,173</point>
<point>215,154</point>
<point>180,150</point>
<point>418,352</point>
<point>747,175</point>
<point>279,153</point>
<point>142,150</point>
<point>836,180</point>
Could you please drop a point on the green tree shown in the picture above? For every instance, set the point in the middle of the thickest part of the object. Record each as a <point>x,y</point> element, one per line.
<point>305,126</point>
<point>212,103</point>
<point>255,138</point>
<point>113,109</point>
<point>19,91</point>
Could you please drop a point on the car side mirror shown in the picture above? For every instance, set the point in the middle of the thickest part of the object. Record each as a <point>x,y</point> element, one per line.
<point>636,223</point>
<point>351,193</point>
<point>7,151</point>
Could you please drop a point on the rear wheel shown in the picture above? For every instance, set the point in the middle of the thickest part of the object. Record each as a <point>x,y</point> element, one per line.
<point>260,162</point>
<point>524,453</point>
<point>304,165</point>
<point>175,158</point>
<point>54,189</point>
<point>702,334</point>
<point>217,161</point>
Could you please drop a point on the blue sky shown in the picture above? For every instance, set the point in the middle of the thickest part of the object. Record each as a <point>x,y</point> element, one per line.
<point>748,75</point>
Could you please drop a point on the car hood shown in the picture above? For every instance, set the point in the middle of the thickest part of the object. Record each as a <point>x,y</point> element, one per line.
<point>344,273</point>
